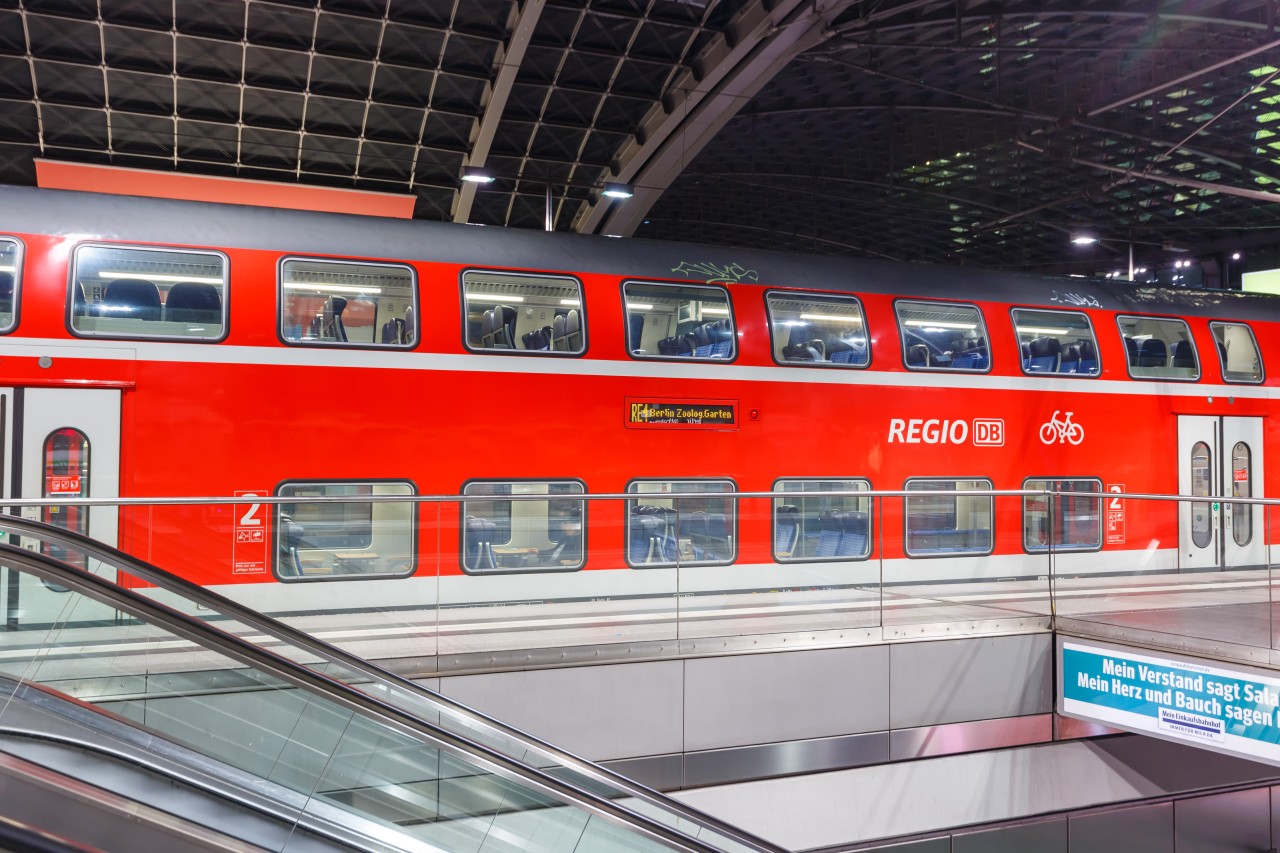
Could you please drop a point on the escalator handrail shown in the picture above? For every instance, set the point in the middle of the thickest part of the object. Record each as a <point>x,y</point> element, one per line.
<point>208,636</point>
<point>336,655</point>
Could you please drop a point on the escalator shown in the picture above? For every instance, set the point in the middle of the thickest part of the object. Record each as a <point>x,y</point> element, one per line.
<point>179,720</point>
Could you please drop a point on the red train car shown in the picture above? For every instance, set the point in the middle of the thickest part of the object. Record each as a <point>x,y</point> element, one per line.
<point>159,348</point>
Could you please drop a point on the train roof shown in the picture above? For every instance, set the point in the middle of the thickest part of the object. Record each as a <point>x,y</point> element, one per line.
<point>94,216</point>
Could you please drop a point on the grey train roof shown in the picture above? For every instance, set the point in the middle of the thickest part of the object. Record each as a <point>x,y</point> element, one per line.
<point>119,218</point>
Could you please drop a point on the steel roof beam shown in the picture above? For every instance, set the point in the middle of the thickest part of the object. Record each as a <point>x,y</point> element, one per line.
<point>509,60</point>
<point>737,64</point>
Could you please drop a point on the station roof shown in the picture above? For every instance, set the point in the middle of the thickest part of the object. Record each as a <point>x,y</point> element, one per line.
<point>953,131</point>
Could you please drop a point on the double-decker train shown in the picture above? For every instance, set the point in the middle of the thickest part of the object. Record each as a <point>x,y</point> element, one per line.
<point>153,348</point>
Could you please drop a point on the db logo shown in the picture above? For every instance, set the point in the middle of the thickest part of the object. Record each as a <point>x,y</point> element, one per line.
<point>988,432</point>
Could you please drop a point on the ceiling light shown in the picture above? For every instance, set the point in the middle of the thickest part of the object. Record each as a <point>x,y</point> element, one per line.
<point>719,312</point>
<point>321,287</point>
<point>574,302</point>
<point>1083,239</point>
<point>837,318</point>
<point>617,191</point>
<point>493,297</point>
<point>1235,256</point>
<point>639,306</point>
<point>1041,330</point>
<point>936,324</point>
<point>9,268</point>
<point>476,175</point>
<point>195,279</point>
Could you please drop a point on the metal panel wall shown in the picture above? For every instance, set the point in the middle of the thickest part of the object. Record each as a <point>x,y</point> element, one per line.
<point>600,712</point>
<point>980,679</point>
<point>1224,823</point>
<point>767,698</point>
<point>1141,829</point>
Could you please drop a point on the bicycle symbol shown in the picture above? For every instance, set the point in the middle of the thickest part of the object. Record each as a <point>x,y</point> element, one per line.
<point>1061,429</point>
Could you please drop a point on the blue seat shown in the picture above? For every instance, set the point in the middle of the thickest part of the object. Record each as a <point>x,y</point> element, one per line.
<point>972,360</point>
<point>1184,355</point>
<point>1088,358</point>
<point>1152,353</point>
<point>192,302</point>
<point>829,538</point>
<point>478,543</point>
<point>130,298</point>
<point>786,530</point>
<point>853,535</point>
<point>1045,356</point>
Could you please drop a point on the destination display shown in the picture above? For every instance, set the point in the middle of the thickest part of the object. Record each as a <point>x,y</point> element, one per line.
<point>681,414</point>
<point>1230,710</point>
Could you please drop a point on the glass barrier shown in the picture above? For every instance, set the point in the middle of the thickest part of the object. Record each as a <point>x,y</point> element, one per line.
<point>1191,573</point>
<point>132,657</point>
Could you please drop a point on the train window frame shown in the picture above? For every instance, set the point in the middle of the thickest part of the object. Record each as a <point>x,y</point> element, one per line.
<point>869,546</point>
<point>980,326</point>
<point>1048,547</point>
<point>1017,333</point>
<point>817,298</point>
<point>76,296</point>
<point>1158,377</point>
<point>19,256</point>
<point>580,307</point>
<point>578,498</point>
<point>279,531</point>
<point>940,554</point>
<point>679,561</point>
<point>414,306</point>
<point>683,314</point>
<point>1219,345</point>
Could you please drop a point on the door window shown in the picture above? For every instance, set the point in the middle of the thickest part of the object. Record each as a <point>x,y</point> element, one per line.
<point>1241,487</point>
<point>1201,487</point>
<point>66,475</point>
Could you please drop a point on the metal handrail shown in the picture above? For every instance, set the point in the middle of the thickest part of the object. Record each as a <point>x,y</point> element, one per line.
<point>208,636</point>
<point>333,654</point>
<point>272,500</point>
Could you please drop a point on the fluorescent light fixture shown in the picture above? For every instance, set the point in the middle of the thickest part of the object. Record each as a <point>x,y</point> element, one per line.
<point>617,191</point>
<point>1039,330</point>
<point>321,287</point>
<point>639,306</point>
<point>574,302</point>
<point>719,312</point>
<point>837,318</point>
<point>1083,239</point>
<point>476,175</point>
<point>196,279</point>
<point>932,324</point>
<point>9,268</point>
<point>493,297</point>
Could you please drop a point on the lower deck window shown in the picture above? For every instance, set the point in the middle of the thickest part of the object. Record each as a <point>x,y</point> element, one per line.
<point>1067,522</point>
<point>824,527</point>
<point>664,529</point>
<point>321,538</point>
<point>946,525</point>
<point>523,527</point>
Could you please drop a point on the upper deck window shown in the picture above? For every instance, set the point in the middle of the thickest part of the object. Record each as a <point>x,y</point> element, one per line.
<point>827,330</point>
<point>10,281</point>
<point>1238,351</point>
<point>508,312</point>
<point>942,336</point>
<point>679,321</point>
<point>1056,342</point>
<point>1159,348</point>
<point>143,292</point>
<point>351,303</point>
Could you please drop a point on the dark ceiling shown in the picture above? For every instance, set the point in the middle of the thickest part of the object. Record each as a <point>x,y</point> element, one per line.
<point>959,131</point>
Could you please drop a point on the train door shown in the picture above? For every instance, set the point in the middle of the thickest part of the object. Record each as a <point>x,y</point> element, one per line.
<point>1220,457</point>
<point>59,442</point>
